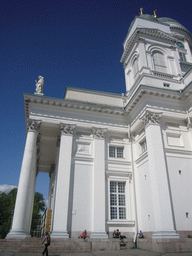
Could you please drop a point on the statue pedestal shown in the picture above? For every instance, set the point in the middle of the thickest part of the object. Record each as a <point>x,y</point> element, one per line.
<point>39,94</point>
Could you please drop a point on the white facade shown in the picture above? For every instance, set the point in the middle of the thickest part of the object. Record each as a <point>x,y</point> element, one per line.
<point>117,161</point>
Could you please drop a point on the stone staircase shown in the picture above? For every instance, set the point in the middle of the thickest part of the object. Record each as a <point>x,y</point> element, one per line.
<point>34,245</point>
<point>165,245</point>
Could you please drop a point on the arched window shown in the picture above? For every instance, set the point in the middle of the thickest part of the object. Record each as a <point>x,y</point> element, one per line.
<point>180,45</point>
<point>135,66</point>
<point>159,62</point>
<point>182,52</point>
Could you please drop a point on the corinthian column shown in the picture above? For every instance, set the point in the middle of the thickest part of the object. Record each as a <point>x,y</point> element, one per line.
<point>63,182</point>
<point>99,185</point>
<point>160,189</point>
<point>26,188</point>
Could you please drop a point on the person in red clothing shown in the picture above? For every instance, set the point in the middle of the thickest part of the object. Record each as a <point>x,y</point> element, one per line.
<point>84,234</point>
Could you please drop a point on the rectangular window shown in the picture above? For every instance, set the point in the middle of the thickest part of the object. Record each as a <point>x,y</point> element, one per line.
<point>143,146</point>
<point>111,151</point>
<point>116,152</point>
<point>117,200</point>
<point>159,62</point>
<point>182,56</point>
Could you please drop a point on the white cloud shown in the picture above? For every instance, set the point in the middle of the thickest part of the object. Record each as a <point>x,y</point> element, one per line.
<point>6,188</point>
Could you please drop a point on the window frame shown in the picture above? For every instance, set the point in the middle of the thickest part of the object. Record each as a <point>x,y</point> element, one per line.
<point>116,154</point>
<point>118,205</point>
<point>182,56</point>
<point>135,66</point>
<point>143,145</point>
<point>159,61</point>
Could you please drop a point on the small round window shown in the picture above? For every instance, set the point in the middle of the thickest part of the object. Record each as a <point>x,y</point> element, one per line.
<point>180,45</point>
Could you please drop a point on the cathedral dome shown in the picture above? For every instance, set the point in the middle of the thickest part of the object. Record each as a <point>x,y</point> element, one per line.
<point>171,22</point>
<point>174,24</point>
<point>148,17</point>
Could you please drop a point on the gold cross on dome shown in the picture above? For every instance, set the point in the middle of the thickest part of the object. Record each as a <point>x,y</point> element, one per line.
<point>155,14</point>
<point>141,11</point>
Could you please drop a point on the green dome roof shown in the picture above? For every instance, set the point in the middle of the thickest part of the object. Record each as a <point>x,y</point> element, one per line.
<point>148,17</point>
<point>166,19</point>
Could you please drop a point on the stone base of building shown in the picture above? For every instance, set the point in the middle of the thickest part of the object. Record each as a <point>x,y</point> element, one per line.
<point>58,245</point>
<point>165,235</point>
<point>181,243</point>
<point>98,235</point>
<point>17,234</point>
<point>58,234</point>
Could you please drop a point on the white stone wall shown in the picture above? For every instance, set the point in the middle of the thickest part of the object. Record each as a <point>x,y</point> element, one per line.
<point>144,199</point>
<point>82,211</point>
<point>180,174</point>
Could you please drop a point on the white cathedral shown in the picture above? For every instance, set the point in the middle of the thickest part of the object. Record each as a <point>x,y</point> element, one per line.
<point>117,161</point>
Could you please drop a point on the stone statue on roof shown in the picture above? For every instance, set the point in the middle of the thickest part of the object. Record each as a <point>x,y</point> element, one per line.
<point>39,85</point>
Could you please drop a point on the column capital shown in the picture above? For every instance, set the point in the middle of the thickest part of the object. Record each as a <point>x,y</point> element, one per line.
<point>67,129</point>
<point>33,125</point>
<point>99,133</point>
<point>150,117</point>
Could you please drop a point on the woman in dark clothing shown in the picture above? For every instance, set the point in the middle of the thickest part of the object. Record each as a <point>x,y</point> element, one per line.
<point>46,242</point>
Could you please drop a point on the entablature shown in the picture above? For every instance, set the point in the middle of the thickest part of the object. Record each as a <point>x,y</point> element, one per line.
<point>62,103</point>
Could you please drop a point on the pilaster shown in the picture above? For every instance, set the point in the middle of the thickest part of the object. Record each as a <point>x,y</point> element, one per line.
<point>60,217</point>
<point>99,185</point>
<point>26,188</point>
<point>160,190</point>
<point>142,55</point>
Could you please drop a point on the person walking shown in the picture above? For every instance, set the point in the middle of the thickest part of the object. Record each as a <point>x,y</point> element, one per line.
<point>46,242</point>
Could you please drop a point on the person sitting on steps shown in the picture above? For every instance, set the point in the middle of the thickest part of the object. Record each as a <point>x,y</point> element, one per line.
<point>116,234</point>
<point>140,235</point>
<point>84,235</point>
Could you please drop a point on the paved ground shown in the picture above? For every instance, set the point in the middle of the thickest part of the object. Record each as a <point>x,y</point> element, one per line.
<point>130,252</point>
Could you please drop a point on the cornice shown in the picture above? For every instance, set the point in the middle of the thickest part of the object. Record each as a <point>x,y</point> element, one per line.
<point>130,223</point>
<point>173,151</point>
<point>182,29</point>
<point>119,173</point>
<point>28,98</point>
<point>116,161</point>
<point>144,31</point>
<point>142,157</point>
<point>149,90</point>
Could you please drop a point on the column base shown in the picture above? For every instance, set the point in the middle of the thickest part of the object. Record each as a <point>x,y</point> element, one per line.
<point>165,235</point>
<point>59,234</point>
<point>99,235</point>
<point>17,234</point>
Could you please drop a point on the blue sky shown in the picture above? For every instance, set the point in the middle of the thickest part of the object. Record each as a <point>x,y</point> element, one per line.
<point>70,43</point>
